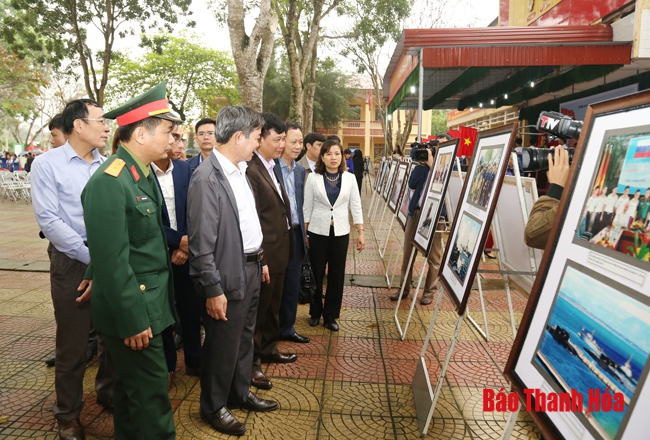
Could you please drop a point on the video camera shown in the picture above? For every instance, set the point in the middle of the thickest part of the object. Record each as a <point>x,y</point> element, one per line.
<point>420,150</point>
<point>558,125</point>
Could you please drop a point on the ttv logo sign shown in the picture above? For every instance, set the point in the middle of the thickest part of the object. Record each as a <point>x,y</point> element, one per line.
<point>549,123</point>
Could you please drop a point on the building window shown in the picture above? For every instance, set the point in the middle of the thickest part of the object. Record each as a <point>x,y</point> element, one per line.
<point>355,112</point>
<point>379,152</point>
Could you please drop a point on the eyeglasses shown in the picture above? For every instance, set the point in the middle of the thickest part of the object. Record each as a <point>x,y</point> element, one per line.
<point>102,121</point>
<point>177,137</point>
<point>205,133</point>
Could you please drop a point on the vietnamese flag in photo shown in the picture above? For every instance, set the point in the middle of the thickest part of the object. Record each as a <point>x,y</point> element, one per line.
<point>467,141</point>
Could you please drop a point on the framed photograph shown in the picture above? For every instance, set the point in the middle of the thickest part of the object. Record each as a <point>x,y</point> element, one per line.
<point>474,212</point>
<point>434,195</point>
<point>398,185</point>
<point>390,177</point>
<point>586,326</point>
<point>380,170</point>
<point>405,199</point>
<point>382,174</point>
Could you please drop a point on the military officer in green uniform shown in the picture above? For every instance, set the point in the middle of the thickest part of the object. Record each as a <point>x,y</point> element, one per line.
<point>132,293</point>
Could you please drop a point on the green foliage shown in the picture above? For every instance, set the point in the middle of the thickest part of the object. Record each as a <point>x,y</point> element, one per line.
<point>331,97</point>
<point>57,31</point>
<point>438,121</point>
<point>199,80</point>
<point>20,83</point>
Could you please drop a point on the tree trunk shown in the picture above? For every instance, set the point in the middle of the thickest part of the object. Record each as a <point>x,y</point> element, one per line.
<point>308,107</point>
<point>252,53</point>
<point>404,133</point>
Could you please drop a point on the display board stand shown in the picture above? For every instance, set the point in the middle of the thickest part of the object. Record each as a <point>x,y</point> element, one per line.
<point>510,424</point>
<point>413,257</point>
<point>382,249</point>
<point>389,264</point>
<point>425,397</point>
<point>504,272</point>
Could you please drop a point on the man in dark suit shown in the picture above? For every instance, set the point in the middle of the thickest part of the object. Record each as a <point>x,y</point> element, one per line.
<point>132,290</point>
<point>312,143</point>
<point>275,214</point>
<point>173,178</point>
<point>225,255</point>
<point>292,176</point>
<point>205,141</point>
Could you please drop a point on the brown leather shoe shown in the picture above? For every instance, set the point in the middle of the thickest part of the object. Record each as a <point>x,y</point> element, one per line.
<point>71,430</point>
<point>280,358</point>
<point>224,421</point>
<point>254,403</point>
<point>426,300</point>
<point>259,380</point>
<point>395,296</point>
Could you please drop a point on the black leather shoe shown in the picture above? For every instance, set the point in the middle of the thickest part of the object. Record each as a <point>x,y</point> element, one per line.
<point>259,380</point>
<point>296,338</point>
<point>71,430</point>
<point>107,403</point>
<point>332,325</point>
<point>224,421</point>
<point>254,403</point>
<point>280,358</point>
<point>314,321</point>
<point>51,361</point>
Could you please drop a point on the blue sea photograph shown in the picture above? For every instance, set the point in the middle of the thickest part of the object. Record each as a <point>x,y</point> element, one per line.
<point>464,246</point>
<point>596,338</point>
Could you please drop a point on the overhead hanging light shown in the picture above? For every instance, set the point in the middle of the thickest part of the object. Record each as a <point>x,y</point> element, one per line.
<point>480,104</point>
<point>492,101</point>
<point>532,83</point>
<point>505,96</point>
<point>389,117</point>
<point>412,89</point>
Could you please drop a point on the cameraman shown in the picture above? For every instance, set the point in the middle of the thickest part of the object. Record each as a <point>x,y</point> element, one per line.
<point>540,222</point>
<point>417,182</point>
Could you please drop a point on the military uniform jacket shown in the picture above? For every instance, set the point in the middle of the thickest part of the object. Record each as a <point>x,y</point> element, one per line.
<point>130,267</point>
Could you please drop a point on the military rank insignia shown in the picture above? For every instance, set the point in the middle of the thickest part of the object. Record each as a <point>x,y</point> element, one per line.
<point>134,173</point>
<point>115,168</point>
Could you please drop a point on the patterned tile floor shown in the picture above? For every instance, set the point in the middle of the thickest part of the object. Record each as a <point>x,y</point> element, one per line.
<point>348,385</point>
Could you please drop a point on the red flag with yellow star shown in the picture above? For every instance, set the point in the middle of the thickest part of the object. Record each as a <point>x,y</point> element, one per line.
<point>467,141</point>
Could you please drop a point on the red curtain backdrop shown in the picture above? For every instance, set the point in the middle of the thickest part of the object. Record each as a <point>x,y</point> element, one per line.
<point>467,141</point>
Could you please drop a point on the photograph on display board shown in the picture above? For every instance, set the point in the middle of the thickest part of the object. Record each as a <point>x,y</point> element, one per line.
<point>463,247</point>
<point>440,173</point>
<point>616,215</point>
<point>473,213</point>
<point>587,324</point>
<point>398,185</point>
<point>597,337</point>
<point>402,214</point>
<point>380,168</point>
<point>433,201</point>
<point>486,172</point>
<point>390,177</point>
<point>382,178</point>
<point>428,222</point>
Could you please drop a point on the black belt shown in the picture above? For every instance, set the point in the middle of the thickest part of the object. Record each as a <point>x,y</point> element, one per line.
<point>254,257</point>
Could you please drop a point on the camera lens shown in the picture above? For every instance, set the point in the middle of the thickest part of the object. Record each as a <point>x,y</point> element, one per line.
<point>536,159</point>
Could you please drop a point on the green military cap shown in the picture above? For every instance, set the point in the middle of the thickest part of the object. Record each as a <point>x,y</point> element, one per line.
<point>151,104</point>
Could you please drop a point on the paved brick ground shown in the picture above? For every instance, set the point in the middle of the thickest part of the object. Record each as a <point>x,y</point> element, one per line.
<point>347,385</point>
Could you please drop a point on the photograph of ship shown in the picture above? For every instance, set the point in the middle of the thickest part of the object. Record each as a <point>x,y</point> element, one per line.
<point>485,174</point>
<point>427,222</point>
<point>439,174</point>
<point>463,248</point>
<point>597,337</point>
<point>616,214</point>
<point>404,207</point>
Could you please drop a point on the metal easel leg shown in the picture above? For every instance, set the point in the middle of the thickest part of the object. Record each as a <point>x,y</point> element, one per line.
<point>413,299</point>
<point>432,322</point>
<point>484,334</point>
<point>506,279</point>
<point>401,292</point>
<point>390,229</point>
<point>381,220</point>
<point>510,424</point>
<point>443,373</point>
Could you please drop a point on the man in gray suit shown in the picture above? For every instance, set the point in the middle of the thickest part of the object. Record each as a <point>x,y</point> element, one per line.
<point>312,143</point>
<point>225,239</point>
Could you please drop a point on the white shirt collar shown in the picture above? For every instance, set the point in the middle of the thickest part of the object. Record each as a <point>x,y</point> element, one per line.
<point>160,172</point>
<point>228,166</point>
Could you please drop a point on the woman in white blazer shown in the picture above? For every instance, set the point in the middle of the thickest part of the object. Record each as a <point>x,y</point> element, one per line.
<point>329,194</point>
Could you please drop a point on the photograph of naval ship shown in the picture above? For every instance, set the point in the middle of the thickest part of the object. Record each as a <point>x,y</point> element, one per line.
<point>464,246</point>
<point>597,337</point>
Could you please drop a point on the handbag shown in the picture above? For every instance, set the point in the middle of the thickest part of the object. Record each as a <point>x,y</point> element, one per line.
<point>307,282</point>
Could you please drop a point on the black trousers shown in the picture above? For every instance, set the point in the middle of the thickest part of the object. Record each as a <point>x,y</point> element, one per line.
<point>189,315</point>
<point>228,348</point>
<point>73,323</point>
<point>291,289</point>
<point>330,251</point>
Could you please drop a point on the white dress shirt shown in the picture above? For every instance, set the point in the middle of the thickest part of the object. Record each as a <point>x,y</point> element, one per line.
<point>270,165</point>
<point>249,222</point>
<point>311,163</point>
<point>166,181</point>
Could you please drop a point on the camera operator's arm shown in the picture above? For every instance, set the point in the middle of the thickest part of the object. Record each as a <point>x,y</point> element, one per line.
<point>543,213</point>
